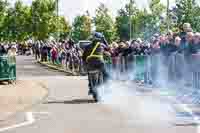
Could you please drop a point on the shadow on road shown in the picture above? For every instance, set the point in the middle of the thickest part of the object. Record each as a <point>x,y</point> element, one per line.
<point>9,82</point>
<point>76,101</point>
<point>187,124</point>
<point>3,83</point>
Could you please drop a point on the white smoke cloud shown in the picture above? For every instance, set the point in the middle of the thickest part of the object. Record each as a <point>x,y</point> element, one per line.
<point>137,108</point>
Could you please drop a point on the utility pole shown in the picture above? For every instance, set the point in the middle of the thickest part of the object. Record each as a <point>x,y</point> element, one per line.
<point>168,15</point>
<point>144,23</point>
<point>130,18</point>
<point>57,11</point>
<point>34,24</point>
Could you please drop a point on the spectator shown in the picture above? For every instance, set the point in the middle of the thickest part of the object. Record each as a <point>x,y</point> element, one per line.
<point>186,27</point>
<point>164,46</point>
<point>2,50</point>
<point>61,56</point>
<point>195,47</point>
<point>175,62</point>
<point>37,50</point>
<point>54,54</point>
<point>177,43</point>
<point>183,35</point>
<point>12,54</point>
<point>49,51</point>
<point>115,54</point>
<point>44,53</point>
<point>155,48</point>
<point>189,44</point>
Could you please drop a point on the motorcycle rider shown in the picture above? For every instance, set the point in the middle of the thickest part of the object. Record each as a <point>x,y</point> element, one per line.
<point>93,56</point>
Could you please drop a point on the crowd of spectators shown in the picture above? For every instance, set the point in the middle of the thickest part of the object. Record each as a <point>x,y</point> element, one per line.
<point>186,42</point>
<point>64,53</point>
<point>174,52</point>
<point>8,49</point>
<point>69,55</point>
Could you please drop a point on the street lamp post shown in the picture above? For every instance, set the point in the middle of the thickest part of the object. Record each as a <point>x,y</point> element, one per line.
<point>57,12</point>
<point>130,18</point>
<point>167,15</point>
<point>130,27</point>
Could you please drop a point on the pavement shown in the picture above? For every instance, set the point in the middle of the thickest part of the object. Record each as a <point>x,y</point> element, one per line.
<point>68,108</point>
<point>20,96</point>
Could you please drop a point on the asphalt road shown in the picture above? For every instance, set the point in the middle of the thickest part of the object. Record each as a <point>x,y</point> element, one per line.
<point>68,108</point>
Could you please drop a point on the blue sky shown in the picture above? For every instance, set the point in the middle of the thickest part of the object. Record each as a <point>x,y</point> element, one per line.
<point>71,8</point>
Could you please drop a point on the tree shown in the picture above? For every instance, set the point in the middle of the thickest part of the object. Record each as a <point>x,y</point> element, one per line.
<point>104,23</point>
<point>122,25</point>
<point>63,27</point>
<point>188,12</point>
<point>81,28</point>
<point>59,27</point>
<point>143,23</point>
<point>196,19</point>
<point>3,13</point>
<point>140,22</point>
<point>43,14</point>
<point>126,21</point>
<point>184,11</point>
<point>16,23</point>
<point>3,9</point>
<point>153,22</point>
<point>21,21</point>
<point>39,20</point>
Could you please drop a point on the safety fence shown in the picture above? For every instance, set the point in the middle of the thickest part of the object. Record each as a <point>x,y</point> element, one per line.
<point>7,68</point>
<point>151,69</point>
<point>176,76</point>
<point>159,70</point>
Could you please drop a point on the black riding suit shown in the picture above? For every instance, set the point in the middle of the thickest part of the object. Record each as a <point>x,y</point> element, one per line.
<point>95,62</point>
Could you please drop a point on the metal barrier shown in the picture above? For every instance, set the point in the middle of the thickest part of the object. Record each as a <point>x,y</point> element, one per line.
<point>7,68</point>
<point>195,67</point>
<point>161,70</point>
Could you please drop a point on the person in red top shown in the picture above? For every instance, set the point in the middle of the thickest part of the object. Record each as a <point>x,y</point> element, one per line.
<point>115,55</point>
<point>54,54</point>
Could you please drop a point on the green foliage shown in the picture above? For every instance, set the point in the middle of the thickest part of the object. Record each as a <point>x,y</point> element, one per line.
<point>143,23</point>
<point>188,12</point>
<point>141,19</point>
<point>122,25</point>
<point>156,7</point>
<point>104,23</point>
<point>126,21</point>
<point>81,28</point>
<point>184,11</point>
<point>21,17</point>
<point>39,20</point>
<point>43,17</point>
<point>196,19</point>
<point>63,27</point>
<point>154,23</point>
<point>15,25</point>
<point>3,10</point>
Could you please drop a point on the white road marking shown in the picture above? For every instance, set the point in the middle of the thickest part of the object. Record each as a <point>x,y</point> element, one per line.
<point>42,113</point>
<point>29,120</point>
<point>29,66</point>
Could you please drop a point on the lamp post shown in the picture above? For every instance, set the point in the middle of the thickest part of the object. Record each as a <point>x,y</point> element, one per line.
<point>130,19</point>
<point>167,15</point>
<point>57,13</point>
